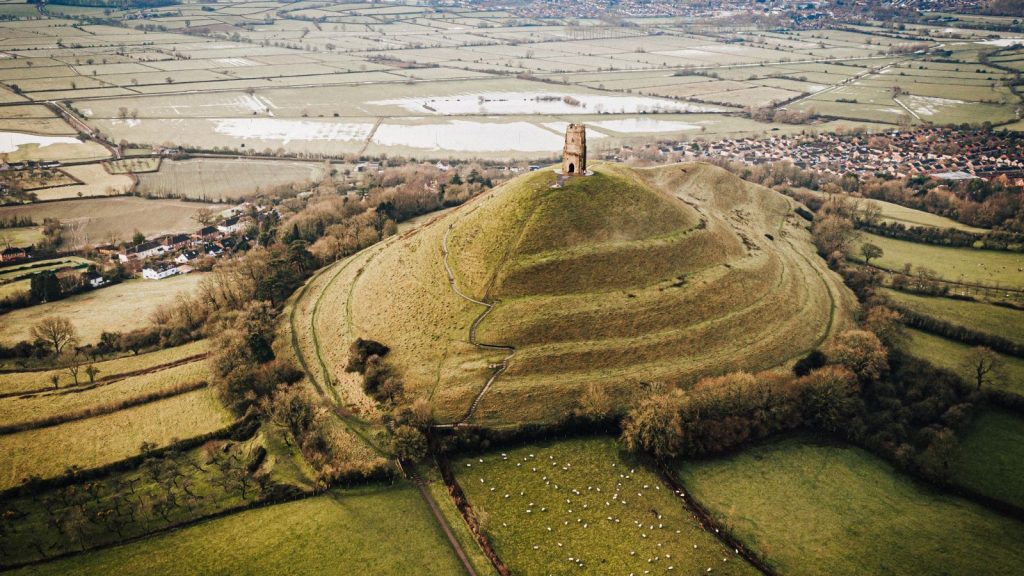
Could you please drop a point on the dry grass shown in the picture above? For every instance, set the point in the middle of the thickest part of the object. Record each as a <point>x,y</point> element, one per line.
<point>122,307</point>
<point>18,410</point>
<point>133,165</point>
<point>99,220</point>
<point>36,380</point>
<point>620,278</point>
<point>96,181</point>
<point>93,442</point>
<point>212,179</point>
<point>26,236</point>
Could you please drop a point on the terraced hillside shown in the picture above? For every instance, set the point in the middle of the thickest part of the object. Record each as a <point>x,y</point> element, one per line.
<point>504,310</point>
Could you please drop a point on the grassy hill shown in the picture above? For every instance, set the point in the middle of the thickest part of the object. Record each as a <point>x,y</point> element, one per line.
<point>623,277</point>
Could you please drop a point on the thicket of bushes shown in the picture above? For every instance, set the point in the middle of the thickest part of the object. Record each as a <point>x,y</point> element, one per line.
<point>898,407</point>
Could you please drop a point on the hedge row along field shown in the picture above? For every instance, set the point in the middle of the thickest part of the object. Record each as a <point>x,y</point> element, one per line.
<point>372,531</point>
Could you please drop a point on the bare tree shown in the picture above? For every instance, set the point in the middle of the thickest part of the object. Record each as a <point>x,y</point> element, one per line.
<point>91,371</point>
<point>204,216</point>
<point>57,331</point>
<point>73,371</point>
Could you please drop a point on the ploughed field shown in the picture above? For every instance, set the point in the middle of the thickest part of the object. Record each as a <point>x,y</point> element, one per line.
<point>623,277</point>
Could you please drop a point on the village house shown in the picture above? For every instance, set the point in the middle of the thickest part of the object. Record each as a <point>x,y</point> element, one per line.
<point>159,271</point>
<point>186,256</point>
<point>13,254</point>
<point>141,251</point>
<point>206,234</point>
<point>94,279</point>
<point>232,225</point>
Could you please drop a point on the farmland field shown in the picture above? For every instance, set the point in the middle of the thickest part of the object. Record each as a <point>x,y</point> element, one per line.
<point>966,265</point>
<point>111,437</point>
<point>213,180</point>
<point>29,381</point>
<point>911,217</point>
<point>121,307</point>
<point>93,221</point>
<point>20,237</point>
<point>847,512</point>
<point>18,272</point>
<point>582,504</point>
<point>991,456</point>
<point>381,530</point>
<point>20,410</point>
<point>997,320</point>
<point>95,181</point>
<point>283,85</point>
<point>955,356</point>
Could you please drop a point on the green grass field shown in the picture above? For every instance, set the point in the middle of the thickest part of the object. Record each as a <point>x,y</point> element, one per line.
<point>992,456</point>
<point>819,508</point>
<point>550,507</point>
<point>439,491</point>
<point>94,221</point>
<point>374,530</point>
<point>954,356</point>
<point>967,265</point>
<point>998,320</point>
<point>133,492</point>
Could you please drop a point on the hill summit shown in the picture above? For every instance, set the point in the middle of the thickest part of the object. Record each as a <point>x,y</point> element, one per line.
<point>506,309</point>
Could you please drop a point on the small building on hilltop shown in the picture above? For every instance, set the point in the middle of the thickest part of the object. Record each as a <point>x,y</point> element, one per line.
<point>574,153</point>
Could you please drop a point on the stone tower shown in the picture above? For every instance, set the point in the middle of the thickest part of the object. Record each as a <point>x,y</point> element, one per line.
<point>574,155</point>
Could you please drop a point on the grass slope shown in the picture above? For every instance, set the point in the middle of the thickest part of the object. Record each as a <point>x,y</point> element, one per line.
<point>366,531</point>
<point>992,456</point>
<point>549,507</point>
<point>119,308</point>
<point>813,508</point>
<point>95,220</point>
<point>621,277</point>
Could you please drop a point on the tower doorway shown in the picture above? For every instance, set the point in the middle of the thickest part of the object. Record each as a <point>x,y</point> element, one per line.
<point>572,168</point>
